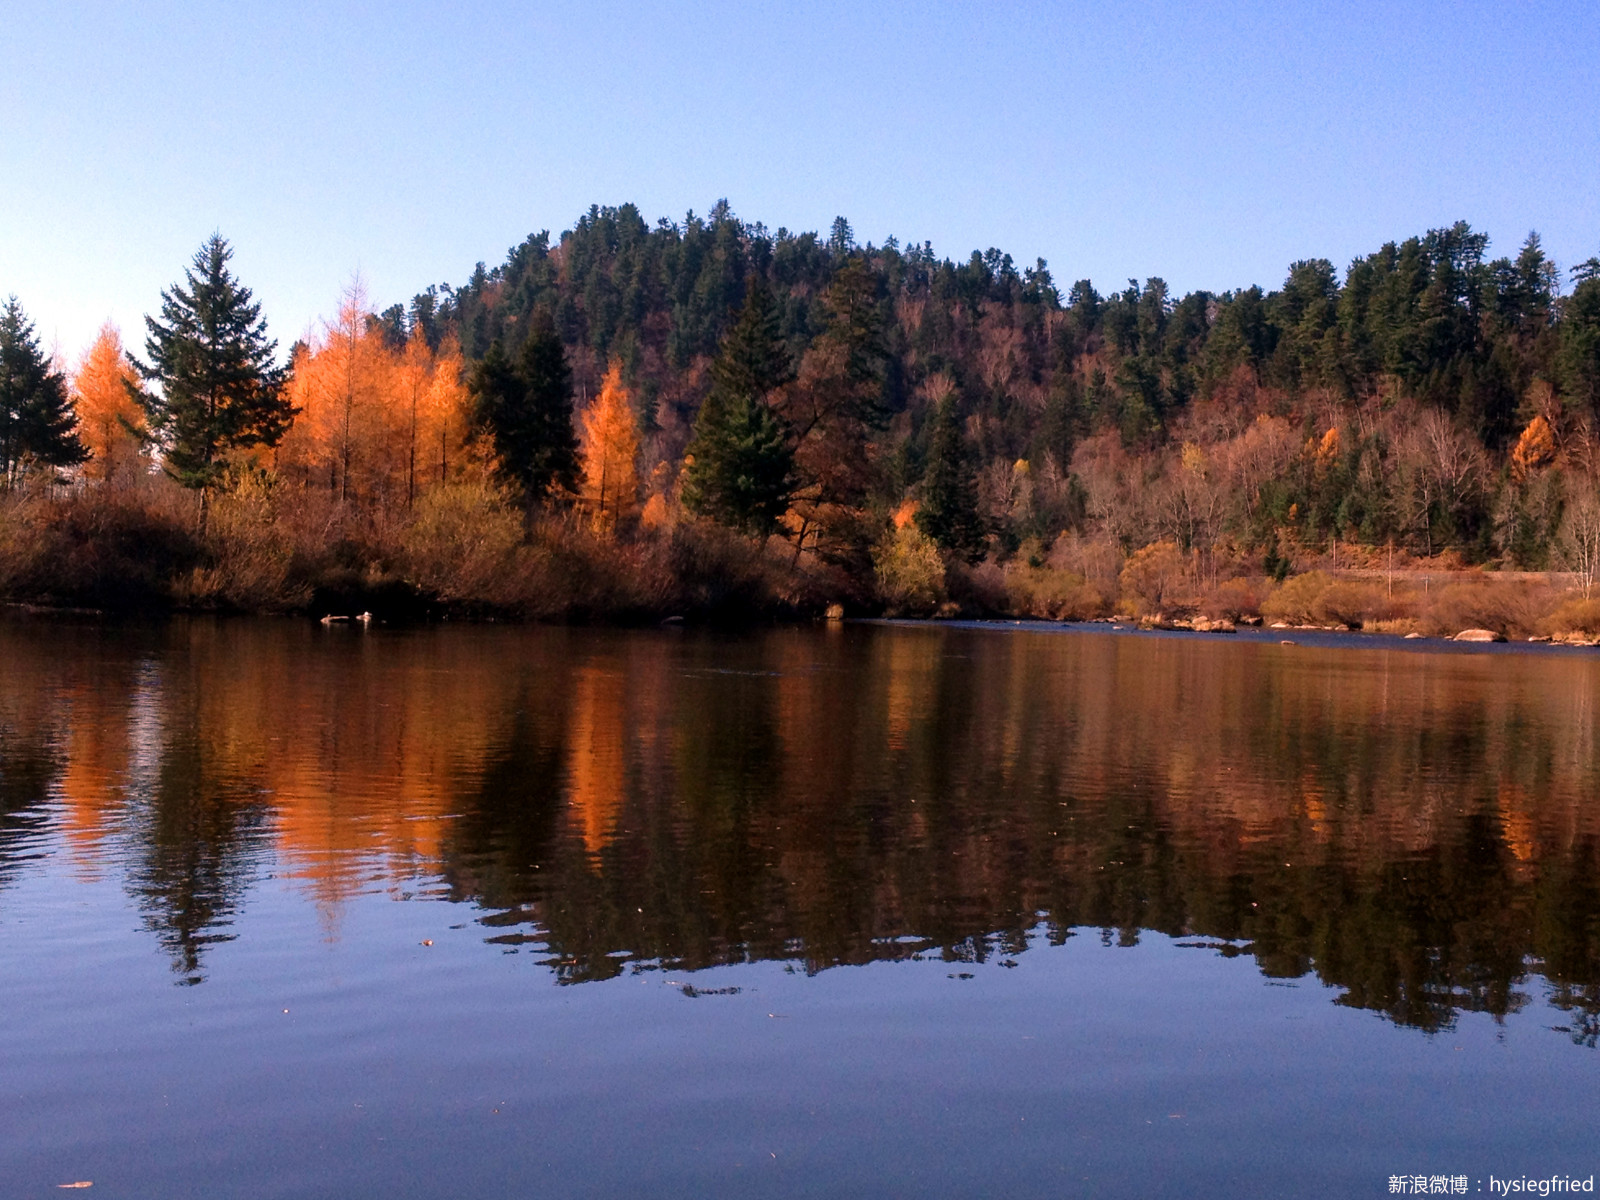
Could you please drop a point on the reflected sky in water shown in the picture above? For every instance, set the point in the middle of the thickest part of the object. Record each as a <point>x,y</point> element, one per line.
<point>789,912</point>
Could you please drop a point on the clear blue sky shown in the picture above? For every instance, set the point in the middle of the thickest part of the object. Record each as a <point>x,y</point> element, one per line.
<point>1208,144</point>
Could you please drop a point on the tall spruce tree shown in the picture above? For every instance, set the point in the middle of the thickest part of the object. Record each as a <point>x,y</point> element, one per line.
<point>37,424</point>
<point>949,510</point>
<point>741,468</point>
<point>218,388</point>
<point>526,410</point>
<point>1580,339</point>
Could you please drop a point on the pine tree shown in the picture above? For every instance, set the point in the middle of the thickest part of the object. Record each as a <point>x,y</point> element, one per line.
<point>949,511</point>
<point>37,425</point>
<point>741,462</point>
<point>526,410</point>
<point>219,389</point>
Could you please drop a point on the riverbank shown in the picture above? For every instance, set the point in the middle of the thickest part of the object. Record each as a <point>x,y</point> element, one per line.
<point>459,552</point>
<point>462,552</point>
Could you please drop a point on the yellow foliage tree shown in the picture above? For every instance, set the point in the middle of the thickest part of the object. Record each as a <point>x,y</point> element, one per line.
<point>1327,451</point>
<point>1535,448</point>
<point>106,410</point>
<point>610,442</point>
<point>1152,575</point>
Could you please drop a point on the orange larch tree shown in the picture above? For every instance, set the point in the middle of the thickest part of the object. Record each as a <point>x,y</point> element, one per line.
<point>107,414</point>
<point>414,381</point>
<point>350,430</point>
<point>610,445</point>
<point>445,425</point>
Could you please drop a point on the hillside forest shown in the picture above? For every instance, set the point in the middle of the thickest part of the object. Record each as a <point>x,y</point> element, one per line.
<point>705,416</point>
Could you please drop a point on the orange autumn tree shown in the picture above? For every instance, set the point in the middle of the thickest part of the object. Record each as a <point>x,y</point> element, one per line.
<point>1535,448</point>
<point>413,377</point>
<point>347,433</point>
<point>610,444</point>
<point>107,414</point>
<point>377,424</point>
<point>443,431</point>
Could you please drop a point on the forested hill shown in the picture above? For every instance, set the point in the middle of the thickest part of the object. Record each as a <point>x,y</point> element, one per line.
<point>1100,393</point>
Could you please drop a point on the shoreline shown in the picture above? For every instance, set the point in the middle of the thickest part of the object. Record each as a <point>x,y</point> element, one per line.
<point>1310,638</point>
<point>1318,638</point>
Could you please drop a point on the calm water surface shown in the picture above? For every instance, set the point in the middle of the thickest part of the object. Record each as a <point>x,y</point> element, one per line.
<point>288,911</point>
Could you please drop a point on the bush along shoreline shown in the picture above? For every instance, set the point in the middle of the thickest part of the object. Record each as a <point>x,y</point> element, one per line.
<point>468,552</point>
<point>463,552</point>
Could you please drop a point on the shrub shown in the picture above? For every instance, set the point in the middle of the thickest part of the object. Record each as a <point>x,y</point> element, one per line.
<point>1052,595</point>
<point>909,570</point>
<point>1574,615</point>
<point>1295,601</point>
<point>1233,599</point>
<point>1152,576</point>
<point>1352,604</point>
<point>104,546</point>
<point>1508,608</point>
<point>251,556</point>
<point>462,543</point>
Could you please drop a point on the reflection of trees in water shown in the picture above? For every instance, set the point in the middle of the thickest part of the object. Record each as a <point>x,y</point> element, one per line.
<point>1416,830</point>
<point>29,762</point>
<point>959,797</point>
<point>202,838</point>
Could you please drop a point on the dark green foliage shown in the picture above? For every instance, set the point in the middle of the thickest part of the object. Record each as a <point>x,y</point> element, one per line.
<point>741,468</point>
<point>211,359</point>
<point>855,324</point>
<point>37,425</point>
<point>1580,340</point>
<point>949,510</point>
<point>526,410</point>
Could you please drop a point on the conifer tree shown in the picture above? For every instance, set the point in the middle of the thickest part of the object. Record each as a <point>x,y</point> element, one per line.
<point>949,511</point>
<point>610,446</point>
<point>1580,339</point>
<point>526,410</point>
<point>741,462</point>
<point>107,415</point>
<point>37,425</point>
<point>219,390</point>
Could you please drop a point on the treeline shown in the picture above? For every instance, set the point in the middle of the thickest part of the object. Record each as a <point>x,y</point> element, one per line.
<point>882,426</point>
<point>1320,384</point>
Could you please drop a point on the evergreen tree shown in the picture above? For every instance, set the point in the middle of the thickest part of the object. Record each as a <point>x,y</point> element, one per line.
<point>1580,339</point>
<point>526,410</point>
<point>37,425</point>
<point>741,470</point>
<point>949,510</point>
<point>210,356</point>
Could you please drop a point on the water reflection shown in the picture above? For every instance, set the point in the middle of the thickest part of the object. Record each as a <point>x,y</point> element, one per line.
<point>1420,830</point>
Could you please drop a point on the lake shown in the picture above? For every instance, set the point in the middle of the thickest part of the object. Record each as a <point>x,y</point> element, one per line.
<point>856,910</point>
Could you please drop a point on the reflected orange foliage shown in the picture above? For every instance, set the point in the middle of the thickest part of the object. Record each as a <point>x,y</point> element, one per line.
<point>597,765</point>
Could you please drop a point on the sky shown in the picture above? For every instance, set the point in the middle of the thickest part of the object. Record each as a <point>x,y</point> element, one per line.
<point>1211,145</point>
